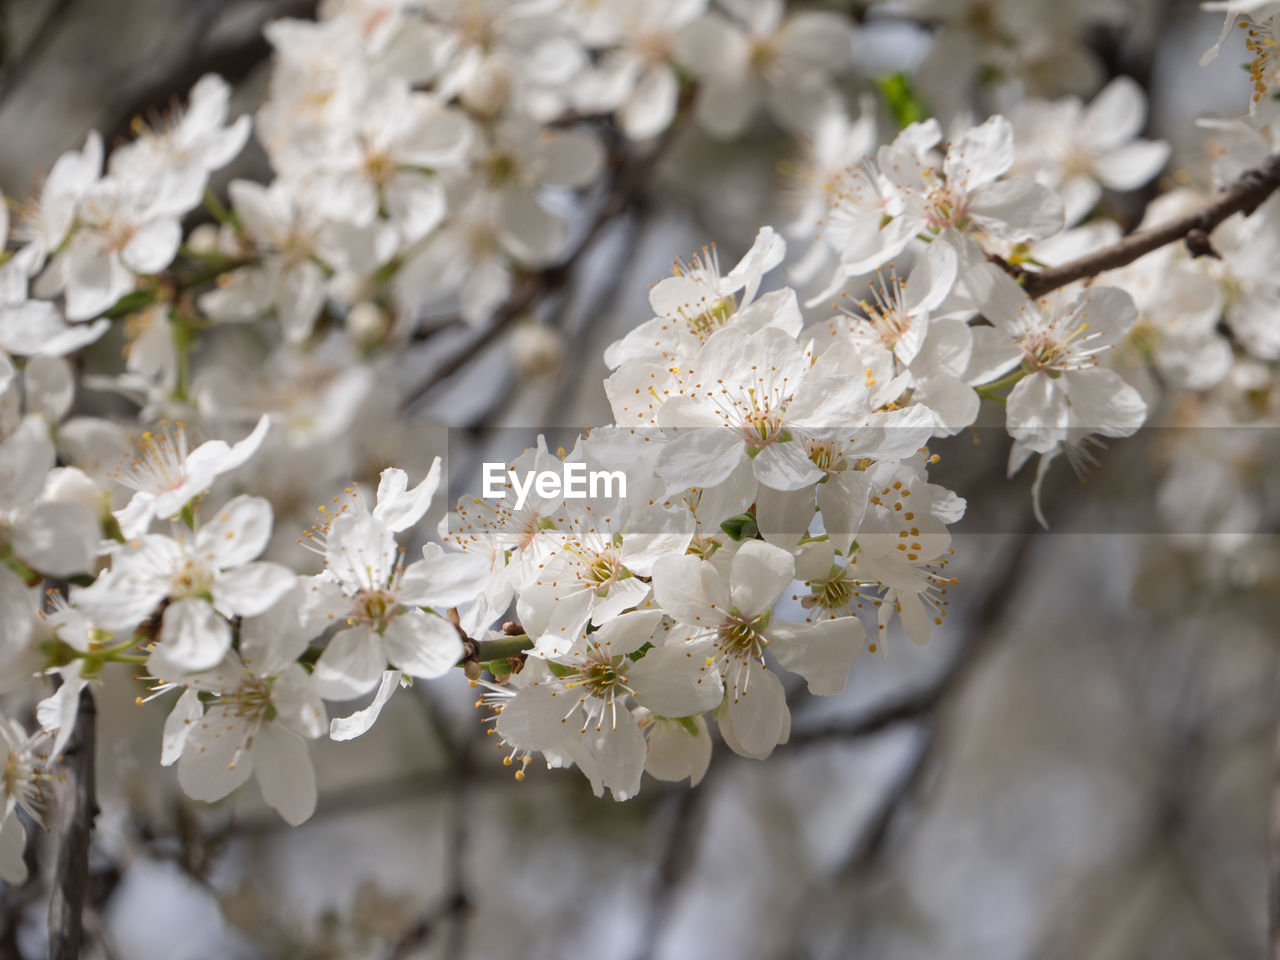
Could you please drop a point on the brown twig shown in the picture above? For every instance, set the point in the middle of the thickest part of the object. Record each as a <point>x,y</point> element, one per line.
<point>75,826</point>
<point>1245,195</point>
<point>1273,899</point>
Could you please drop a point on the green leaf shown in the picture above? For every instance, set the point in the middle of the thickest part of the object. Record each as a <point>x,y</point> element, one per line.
<point>901,99</point>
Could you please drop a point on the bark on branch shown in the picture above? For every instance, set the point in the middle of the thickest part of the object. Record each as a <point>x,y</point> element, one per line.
<point>78,810</point>
<point>1273,894</point>
<point>1245,195</point>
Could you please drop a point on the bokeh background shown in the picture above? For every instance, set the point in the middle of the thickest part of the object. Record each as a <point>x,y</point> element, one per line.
<point>1080,765</point>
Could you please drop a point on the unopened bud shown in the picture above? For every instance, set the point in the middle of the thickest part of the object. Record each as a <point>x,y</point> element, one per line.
<point>367,323</point>
<point>536,350</point>
<point>349,288</point>
<point>488,90</point>
<point>204,239</point>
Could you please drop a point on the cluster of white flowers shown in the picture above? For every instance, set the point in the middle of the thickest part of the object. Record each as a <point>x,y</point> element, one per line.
<point>777,508</point>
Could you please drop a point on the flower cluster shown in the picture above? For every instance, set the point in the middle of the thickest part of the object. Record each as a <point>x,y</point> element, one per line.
<point>773,514</point>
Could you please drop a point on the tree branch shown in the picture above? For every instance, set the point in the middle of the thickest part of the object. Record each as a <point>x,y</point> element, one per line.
<point>75,824</point>
<point>1273,900</point>
<point>1245,195</point>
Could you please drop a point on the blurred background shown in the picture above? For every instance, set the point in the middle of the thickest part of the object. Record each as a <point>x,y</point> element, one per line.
<point>1080,765</point>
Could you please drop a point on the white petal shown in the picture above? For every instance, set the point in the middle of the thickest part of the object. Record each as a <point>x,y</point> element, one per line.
<point>422,644</point>
<point>57,539</point>
<point>215,760</point>
<point>237,533</point>
<point>1116,114</point>
<point>701,457</point>
<point>756,712</point>
<point>300,300</point>
<point>194,636</point>
<point>251,589</point>
<point>619,749</point>
<point>179,724</point>
<point>444,579</point>
<point>981,154</point>
<point>1037,412</point>
<point>758,574</point>
<point>285,774</point>
<point>298,704</point>
<point>652,103</point>
<point>1101,402</point>
<point>352,726</point>
<point>1018,209</point>
<point>822,653</point>
<point>627,633</point>
<point>360,552</point>
<point>1132,165</point>
<point>153,246</point>
<point>271,640</point>
<point>350,665</point>
<point>690,590</point>
<point>535,718</point>
<point>675,752</point>
<point>400,508</point>
<point>675,681</point>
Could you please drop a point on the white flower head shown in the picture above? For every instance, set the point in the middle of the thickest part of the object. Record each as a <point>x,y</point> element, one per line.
<point>168,475</point>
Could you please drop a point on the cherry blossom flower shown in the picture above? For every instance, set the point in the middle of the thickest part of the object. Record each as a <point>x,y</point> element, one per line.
<point>1056,342</point>
<point>382,601</point>
<point>201,579</point>
<point>167,475</point>
<point>258,710</point>
<point>24,786</point>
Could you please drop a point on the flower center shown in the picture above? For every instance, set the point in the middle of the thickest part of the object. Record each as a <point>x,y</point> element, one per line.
<point>834,593</point>
<point>374,607</point>
<point>740,637</point>
<point>192,580</point>
<point>826,455</point>
<point>707,322</point>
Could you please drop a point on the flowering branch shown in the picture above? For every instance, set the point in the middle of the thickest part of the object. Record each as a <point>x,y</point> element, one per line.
<point>1245,195</point>
<point>71,872</point>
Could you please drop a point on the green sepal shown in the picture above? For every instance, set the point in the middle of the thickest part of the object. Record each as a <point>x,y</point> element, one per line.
<point>740,527</point>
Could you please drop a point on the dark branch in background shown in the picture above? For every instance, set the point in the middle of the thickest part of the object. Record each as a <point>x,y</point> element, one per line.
<point>1244,196</point>
<point>454,904</point>
<point>675,860</point>
<point>233,60</point>
<point>678,854</point>
<point>1273,899</point>
<point>1003,587</point>
<point>14,66</point>
<point>77,811</point>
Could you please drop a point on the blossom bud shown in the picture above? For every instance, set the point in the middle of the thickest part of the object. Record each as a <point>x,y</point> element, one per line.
<point>204,239</point>
<point>367,323</point>
<point>488,90</point>
<point>536,350</point>
<point>349,288</point>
